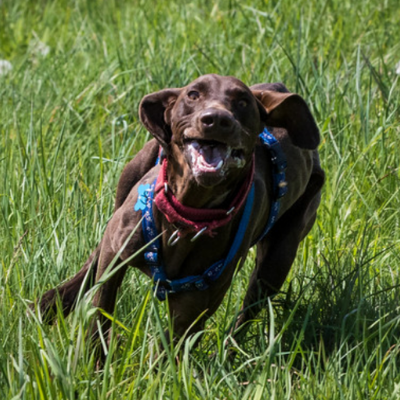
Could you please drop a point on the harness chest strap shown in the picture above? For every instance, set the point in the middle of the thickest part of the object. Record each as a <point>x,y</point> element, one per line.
<point>201,282</point>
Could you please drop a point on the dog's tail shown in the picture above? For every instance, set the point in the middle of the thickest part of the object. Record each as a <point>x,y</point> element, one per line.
<point>66,295</point>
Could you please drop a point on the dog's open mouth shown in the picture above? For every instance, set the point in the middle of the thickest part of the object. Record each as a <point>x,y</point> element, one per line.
<point>213,157</point>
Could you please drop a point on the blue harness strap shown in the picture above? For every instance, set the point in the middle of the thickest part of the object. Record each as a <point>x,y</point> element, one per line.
<point>279,185</point>
<point>201,282</point>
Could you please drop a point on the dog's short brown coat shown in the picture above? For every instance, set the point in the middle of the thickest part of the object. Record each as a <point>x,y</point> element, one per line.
<point>238,115</point>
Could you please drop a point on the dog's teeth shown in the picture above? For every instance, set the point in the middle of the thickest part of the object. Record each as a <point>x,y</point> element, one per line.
<point>219,164</point>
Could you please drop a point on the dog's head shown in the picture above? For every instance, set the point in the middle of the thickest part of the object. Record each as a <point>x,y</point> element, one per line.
<point>212,125</point>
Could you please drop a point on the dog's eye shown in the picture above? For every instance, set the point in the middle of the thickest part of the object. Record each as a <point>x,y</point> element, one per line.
<point>193,95</point>
<point>242,103</point>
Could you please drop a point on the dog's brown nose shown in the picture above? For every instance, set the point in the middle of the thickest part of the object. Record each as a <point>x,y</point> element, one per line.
<point>216,119</point>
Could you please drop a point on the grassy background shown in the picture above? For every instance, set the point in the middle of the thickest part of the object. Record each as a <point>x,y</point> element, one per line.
<point>69,123</point>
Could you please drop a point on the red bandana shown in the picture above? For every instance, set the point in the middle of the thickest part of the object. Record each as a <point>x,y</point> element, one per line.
<point>189,219</point>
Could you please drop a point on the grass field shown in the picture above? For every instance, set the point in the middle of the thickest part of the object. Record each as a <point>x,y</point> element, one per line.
<point>68,125</point>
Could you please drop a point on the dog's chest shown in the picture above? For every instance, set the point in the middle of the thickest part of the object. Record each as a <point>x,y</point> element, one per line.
<point>193,258</point>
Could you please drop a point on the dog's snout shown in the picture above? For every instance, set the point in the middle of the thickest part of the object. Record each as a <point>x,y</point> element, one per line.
<point>218,119</point>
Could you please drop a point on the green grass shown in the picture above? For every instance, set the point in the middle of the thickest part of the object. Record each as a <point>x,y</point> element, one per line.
<point>69,123</point>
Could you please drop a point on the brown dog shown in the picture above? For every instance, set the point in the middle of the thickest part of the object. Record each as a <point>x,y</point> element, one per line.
<point>209,133</point>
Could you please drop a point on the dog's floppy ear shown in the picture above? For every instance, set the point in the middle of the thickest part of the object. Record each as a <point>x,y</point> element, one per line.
<point>288,110</point>
<point>154,112</point>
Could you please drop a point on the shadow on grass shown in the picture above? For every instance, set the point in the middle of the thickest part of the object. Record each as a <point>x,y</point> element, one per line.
<point>350,302</point>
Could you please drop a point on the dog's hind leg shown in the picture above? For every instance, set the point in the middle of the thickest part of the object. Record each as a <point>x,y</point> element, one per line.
<point>68,292</point>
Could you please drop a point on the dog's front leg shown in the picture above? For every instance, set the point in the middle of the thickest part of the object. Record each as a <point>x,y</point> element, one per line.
<point>189,311</point>
<point>274,259</point>
<point>275,255</point>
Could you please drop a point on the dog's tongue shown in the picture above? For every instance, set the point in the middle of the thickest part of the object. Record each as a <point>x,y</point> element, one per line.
<point>207,157</point>
<point>213,155</point>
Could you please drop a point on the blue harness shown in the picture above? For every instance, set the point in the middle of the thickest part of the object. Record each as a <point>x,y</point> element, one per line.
<point>152,257</point>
